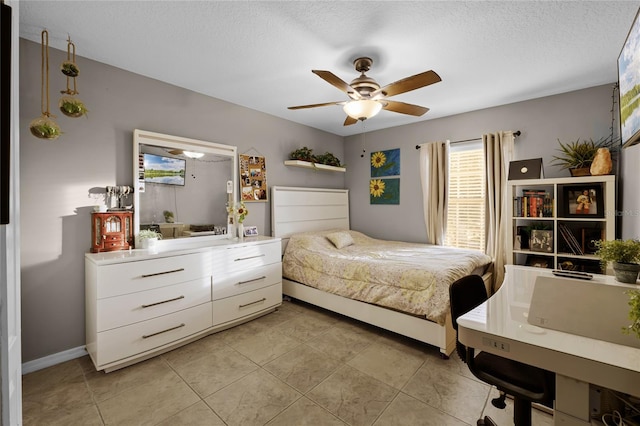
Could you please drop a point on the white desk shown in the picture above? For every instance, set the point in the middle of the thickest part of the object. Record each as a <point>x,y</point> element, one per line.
<point>500,326</point>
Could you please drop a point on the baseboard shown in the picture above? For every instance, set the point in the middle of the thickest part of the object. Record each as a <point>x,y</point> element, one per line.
<point>53,359</point>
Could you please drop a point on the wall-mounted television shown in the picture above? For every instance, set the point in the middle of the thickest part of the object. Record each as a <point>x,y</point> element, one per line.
<point>629,86</point>
<point>164,170</point>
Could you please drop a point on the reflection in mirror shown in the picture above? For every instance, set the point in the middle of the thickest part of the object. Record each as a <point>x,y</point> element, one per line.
<point>181,185</point>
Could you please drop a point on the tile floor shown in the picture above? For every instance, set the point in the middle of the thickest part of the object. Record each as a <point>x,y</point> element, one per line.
<point>297,366</point>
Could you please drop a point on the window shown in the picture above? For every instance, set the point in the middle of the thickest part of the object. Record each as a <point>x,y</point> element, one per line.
<point>466,196</point>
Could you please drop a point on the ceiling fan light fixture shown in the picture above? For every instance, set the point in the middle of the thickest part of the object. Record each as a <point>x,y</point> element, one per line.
<point>192,154</point>
<point>362,109</point>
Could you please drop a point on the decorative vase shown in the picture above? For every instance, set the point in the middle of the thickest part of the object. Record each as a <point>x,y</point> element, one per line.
<point>240,231</point>
<point>626,272</point>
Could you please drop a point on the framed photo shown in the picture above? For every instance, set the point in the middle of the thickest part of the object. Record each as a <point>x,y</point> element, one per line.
<point>583,200</point>
<point>250,231</point>
<point>253,178</point>
<point>589,238</point>
<point>538,261</point>
<point>541,240</point>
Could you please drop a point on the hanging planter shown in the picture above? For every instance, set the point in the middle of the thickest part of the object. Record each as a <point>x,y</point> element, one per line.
<point>69,68</point>
<point>70,106</point>
<point>45,127</point>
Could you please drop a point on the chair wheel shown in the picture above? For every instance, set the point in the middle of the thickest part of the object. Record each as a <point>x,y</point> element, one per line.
<point>499,402</point>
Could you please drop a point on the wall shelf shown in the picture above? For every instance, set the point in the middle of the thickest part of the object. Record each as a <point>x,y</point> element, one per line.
<point>315,166</point>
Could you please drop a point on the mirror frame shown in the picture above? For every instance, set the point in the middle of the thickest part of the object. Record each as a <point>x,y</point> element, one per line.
<point>143,137</point>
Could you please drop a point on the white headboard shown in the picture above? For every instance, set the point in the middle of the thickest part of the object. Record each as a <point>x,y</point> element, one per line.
<point>296,210</point>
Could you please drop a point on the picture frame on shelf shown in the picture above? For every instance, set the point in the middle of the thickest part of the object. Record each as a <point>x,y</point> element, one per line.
<point>589,238</point>
<point>582,200</point>
<point>541,240</point>
<point>538,261</point>
<point>250,231</point>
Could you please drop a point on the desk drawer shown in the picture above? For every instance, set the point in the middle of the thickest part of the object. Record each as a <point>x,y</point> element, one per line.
<point>236,307</point>
<point>239,282</point>
<point>131,277</point>
<point>243,257</point>
<point>127,309</point>
<point>127,341</point>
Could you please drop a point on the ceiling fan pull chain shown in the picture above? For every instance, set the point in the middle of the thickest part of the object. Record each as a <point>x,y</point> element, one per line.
<point>364,139</point>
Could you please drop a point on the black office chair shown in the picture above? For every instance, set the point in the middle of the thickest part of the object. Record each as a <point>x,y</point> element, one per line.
<point>525,383</point>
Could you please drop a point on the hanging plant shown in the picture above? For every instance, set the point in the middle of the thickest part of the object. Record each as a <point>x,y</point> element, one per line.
<point>45,127</point>
<point>72,107</point>
<point>70,69</point>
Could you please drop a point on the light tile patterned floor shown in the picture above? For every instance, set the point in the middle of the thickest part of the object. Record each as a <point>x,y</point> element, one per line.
<point>298,366</point>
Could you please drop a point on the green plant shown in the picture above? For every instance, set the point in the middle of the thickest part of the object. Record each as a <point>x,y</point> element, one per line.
<point>634,313</point>
<point>329,159</point>
<point>168,216</point>
<point>149,233</point>
<point>72,107</point>
<point>620,251</point>
<point>44,128</point>
<point>580,154</point>
<point>69,69</point>
<point>303,154</point>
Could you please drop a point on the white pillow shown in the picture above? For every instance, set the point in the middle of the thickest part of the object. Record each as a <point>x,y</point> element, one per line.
<point>340,239</point>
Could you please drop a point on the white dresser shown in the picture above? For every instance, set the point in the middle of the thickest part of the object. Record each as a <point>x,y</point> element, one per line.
<point>140,304</point>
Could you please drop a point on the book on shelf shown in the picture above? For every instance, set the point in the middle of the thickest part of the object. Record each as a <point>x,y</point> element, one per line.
<point>533,203</point>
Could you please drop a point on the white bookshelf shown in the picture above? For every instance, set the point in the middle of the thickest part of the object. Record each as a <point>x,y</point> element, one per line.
<point>570,231</point>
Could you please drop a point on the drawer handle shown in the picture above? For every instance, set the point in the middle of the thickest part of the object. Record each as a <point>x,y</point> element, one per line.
<point>251,281</point>
<point>247,258</point>
<point>253,303</point>
<point>164,301</point>
<point>146,336</point>
<point>162,273</point>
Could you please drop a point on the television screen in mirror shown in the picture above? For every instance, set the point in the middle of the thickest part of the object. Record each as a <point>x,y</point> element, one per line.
<point>181,185</point>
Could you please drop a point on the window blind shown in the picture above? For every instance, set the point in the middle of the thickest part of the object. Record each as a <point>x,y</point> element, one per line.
<point>466,197</point>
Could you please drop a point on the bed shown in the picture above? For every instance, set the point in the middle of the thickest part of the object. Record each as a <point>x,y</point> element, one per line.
<point>401,287</point>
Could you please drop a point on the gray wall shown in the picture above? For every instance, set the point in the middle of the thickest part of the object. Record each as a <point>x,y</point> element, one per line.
<point>56,176</point>
<point>96,151</point>
<point>580,114</point>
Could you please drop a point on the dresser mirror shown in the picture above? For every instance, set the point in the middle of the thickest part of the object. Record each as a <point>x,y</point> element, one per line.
<point>181,185</point>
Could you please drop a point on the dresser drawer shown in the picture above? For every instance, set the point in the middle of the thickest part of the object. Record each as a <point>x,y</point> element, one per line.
<point>243,257</point>
<point>124,342</point>
<point>239,282</point>
<point>236,307</point>
<point>127,309</point>
<point>131,277</point>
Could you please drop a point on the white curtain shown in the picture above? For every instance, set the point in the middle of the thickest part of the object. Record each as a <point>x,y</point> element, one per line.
<point>498,152</point>
<point>434,181</point>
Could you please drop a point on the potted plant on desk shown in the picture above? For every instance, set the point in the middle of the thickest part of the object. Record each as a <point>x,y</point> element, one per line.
<point>149,238</point>
<point>624,255</point>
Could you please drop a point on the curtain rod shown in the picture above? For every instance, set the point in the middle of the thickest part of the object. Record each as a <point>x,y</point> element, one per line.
<point>516,133</point>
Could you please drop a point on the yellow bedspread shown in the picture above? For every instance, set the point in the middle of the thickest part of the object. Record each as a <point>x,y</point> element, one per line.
<point>408,277</point>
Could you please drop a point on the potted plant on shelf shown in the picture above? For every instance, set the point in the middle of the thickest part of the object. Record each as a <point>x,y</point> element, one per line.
<point>624,255</point>
<point>149,238</point>
<point>578,155</point>
<point>328,159</point>
<point>303,154</point>
<point>634,313</point>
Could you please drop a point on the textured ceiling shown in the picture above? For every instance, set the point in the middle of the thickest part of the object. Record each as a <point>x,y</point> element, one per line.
<point>260,54</point>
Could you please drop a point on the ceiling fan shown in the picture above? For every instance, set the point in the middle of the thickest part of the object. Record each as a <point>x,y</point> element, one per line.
<point>367,98</point>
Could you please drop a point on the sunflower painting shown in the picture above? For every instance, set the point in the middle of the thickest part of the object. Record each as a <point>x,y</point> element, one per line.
<point>385,163</point>
<point>384,191</point>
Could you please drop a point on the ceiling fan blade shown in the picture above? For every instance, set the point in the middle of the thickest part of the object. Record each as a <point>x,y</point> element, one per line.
<point>336,81</point>
<point>403,108</point>
<point>176,152</point>
<point>316,105</point>
<point>349,121</point>
<point>407,84</point>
